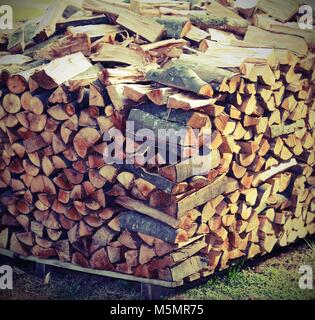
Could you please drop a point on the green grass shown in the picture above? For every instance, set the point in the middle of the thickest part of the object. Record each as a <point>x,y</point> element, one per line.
<point>271,284</point>
<point>275,278</point>
<point>311,245</point>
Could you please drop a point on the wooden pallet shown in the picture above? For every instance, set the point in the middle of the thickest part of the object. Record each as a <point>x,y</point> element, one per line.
<point>104,273</point>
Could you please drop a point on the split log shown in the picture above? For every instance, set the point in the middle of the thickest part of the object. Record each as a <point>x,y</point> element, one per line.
<point>277,11</point>
<point>145,120</point>
<point>143,26</point>
<point>186,79</point>
<point>155,179</point>
<point>99,260</point>
<point>47,24</point>
<point>84,139</point>
<point>206,20</point>
<point>136,222</point>
<point>65,46</point>
<point>60,70</point>
<point>267,39</point>
<point>136,205</point>
<point>197,165</point>
<point>81,21</point>
<point>177,256</point>
<point>107,32</point>
<point>119,54</point>
<point>184,269</point>
<point>176,27</point>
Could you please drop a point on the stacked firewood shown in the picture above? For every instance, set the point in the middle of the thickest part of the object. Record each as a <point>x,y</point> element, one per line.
<point>236,80</point>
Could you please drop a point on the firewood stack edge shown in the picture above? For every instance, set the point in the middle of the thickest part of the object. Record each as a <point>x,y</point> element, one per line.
<point>237,79</point>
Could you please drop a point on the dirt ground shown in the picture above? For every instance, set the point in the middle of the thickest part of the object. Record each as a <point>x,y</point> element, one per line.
<point>274,276</point>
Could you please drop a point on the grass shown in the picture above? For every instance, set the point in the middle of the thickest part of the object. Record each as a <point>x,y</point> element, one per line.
<point>311,245</point>
<point>270,277</point>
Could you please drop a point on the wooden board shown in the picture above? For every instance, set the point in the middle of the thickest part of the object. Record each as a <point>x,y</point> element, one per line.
<point>110,274</point>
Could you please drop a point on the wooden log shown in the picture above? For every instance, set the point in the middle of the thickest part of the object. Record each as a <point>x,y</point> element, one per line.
<point>47,24</point>
<point>39,102</point>
<point>157,180</point>
<point>267,39</point>
<point>274,9</point>
<point>122,75</point>
<point>107,32</point>
<point>80,260</point>
<point>114,254</point>
<point>145,120</point>
<point>97,96</point>
<point>206,20</point>
<point>84,139</point>
<point>267,23</point>
<point>196,34</point>
<point>11,103</point>
<point>264,176</point>
<point>188,101</point>
<point>136,222</point>
<point>200,197</point>
<point>119,54</point>
<point>197,165</point>
<point>22,37</point>
<point>139,206</point>
<point>160,96</point>
<point>65,46</point>
<point>192,119</point>
<point>99,260</point>
<point>220,52</point>
<point>246,8</point>
<point>187,80</point>
<point>60,70</point>
<point>222,10</point>
<point>83,79</point>
<point>184,269</point>
<point>117,98</point>
<point>177,256</point>
<point>153,8</point>
<point>34,143</point>
<point>129,240</point>
<point>143,26</point>
<point>176,27</point>
<point>16,246</point>
<point>110,7</point>
<point>146,254</point>
<point>131,257</point>
<point>283,129</point>
<point>62,248</point>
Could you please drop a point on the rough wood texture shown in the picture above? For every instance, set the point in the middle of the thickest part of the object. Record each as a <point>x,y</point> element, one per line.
<point>236,78</point>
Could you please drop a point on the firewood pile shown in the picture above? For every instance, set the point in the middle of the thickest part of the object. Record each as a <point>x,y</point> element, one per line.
<point>235,78</point>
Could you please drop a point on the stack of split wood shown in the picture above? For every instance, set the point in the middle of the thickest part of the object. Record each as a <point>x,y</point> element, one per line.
<point>241,76</point>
